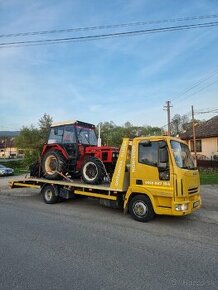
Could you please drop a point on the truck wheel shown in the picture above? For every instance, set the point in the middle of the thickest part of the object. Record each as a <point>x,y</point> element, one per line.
<point>92,171</point>
<point>49,194</point>
<point>141,209</point>
<point>52,163</point>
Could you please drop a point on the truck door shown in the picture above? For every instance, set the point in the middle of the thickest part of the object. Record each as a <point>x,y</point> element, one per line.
<point>153,169</point>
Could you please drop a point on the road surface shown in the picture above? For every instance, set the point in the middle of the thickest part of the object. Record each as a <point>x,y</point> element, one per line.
<point>79,244</point>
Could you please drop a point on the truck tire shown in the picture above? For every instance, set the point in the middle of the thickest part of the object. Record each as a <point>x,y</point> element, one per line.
<point>52,163</point>
<point>92,171</point>
<point>141,209</point>
<point>49,194</point>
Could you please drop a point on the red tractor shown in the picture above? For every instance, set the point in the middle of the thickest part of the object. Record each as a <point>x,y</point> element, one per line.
<point>72,149</point>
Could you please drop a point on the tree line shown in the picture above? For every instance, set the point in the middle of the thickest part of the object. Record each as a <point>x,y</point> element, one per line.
<point>32,138</point>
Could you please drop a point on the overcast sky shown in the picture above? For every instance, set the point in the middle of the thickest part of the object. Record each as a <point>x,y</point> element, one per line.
<point>119,79</point>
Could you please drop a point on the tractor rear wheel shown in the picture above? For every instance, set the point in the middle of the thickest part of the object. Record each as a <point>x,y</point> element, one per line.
<point>53,162</point>
<point>93,171</point>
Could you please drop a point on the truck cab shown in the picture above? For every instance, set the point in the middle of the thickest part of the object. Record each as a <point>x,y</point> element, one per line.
<point>163,169</point>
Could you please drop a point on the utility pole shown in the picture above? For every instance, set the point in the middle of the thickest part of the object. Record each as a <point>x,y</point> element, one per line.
<point>5,139</point>
<point>167,108</point>
<point>194,139</point>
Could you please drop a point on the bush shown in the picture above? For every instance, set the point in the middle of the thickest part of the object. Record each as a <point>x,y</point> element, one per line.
<point>215,157</point>
<point>30,157</point>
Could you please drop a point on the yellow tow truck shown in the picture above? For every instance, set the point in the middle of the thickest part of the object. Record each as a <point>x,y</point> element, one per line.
<point>153,175</point>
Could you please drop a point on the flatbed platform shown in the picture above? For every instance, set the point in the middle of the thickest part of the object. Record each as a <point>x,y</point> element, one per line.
<point>74,186</point>
<point>27,182</point>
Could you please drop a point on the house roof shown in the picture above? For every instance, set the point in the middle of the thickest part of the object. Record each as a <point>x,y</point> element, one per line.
<point>205,129</point>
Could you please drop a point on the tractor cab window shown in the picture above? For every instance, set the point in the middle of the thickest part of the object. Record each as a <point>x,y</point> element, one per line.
<point>69,135</point>
<point>86,136</point>
<point>56,135</point>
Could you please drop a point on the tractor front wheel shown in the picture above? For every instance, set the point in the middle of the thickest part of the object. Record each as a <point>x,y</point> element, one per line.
<point>53,163</point>
<point>93,171</point>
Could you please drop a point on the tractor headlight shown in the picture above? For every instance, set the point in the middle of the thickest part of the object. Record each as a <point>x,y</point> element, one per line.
<point>181,207</point>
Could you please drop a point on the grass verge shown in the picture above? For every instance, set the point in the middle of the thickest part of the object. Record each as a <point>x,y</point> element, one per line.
<point>209,177</point>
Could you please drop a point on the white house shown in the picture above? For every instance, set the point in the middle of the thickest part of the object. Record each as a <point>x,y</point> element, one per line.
<point>206,135</point>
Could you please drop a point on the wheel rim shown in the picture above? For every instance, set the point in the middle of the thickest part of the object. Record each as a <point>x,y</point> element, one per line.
<point>51,164</point>
<point>90,171</point>
<point>140,209</point>
<point>48,195</point>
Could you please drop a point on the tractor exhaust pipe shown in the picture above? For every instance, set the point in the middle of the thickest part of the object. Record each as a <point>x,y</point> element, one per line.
<point>99,135</point>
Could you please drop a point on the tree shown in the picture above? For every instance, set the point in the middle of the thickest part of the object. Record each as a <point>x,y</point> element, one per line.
<point>112,135</point>
<point>179,124</point>
<point>31,139</point>
<point>128,125</point>
<point>44,126</point>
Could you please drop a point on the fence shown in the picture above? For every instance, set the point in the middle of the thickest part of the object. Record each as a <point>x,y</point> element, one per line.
<point>208,163</point>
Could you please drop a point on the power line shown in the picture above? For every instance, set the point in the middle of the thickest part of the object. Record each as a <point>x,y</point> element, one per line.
<point>200,111</point>
<point>109,35</point>
<point>206,111</point>
<point>201,89</point>
<point>198,83</point>
<point>109,26</point>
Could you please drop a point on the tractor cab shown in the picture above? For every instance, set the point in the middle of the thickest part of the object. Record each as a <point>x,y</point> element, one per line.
<point>73,132</point>
<point>73,136</point>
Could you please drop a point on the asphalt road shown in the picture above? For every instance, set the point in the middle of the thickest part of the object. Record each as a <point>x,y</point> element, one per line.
<point>79,244</point>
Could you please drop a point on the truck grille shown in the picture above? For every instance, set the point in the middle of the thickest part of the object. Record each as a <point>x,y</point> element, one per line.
<point>193,190</point>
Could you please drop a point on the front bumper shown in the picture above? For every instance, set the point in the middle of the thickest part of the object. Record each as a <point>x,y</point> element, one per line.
<point>184,207</point>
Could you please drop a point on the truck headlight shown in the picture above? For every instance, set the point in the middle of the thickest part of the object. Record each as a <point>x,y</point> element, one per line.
<point>181,207</point>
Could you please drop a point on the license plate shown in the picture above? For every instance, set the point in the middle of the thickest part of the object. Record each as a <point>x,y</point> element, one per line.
<point>196,203</point>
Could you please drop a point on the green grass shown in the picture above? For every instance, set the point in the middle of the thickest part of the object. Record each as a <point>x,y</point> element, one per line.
<point>209,177</point>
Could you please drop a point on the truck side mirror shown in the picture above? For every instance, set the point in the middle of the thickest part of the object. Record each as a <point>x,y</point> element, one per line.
<point>163,155</point>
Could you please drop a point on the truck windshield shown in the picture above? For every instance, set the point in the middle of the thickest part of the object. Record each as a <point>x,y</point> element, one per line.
<point>86,136</point>
<point>182,155</point>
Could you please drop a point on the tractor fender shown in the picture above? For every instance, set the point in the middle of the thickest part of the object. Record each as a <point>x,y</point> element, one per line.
<point>57,147</point>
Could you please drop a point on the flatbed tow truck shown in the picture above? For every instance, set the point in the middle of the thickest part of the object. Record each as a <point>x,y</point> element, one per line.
<point>153,175</point>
